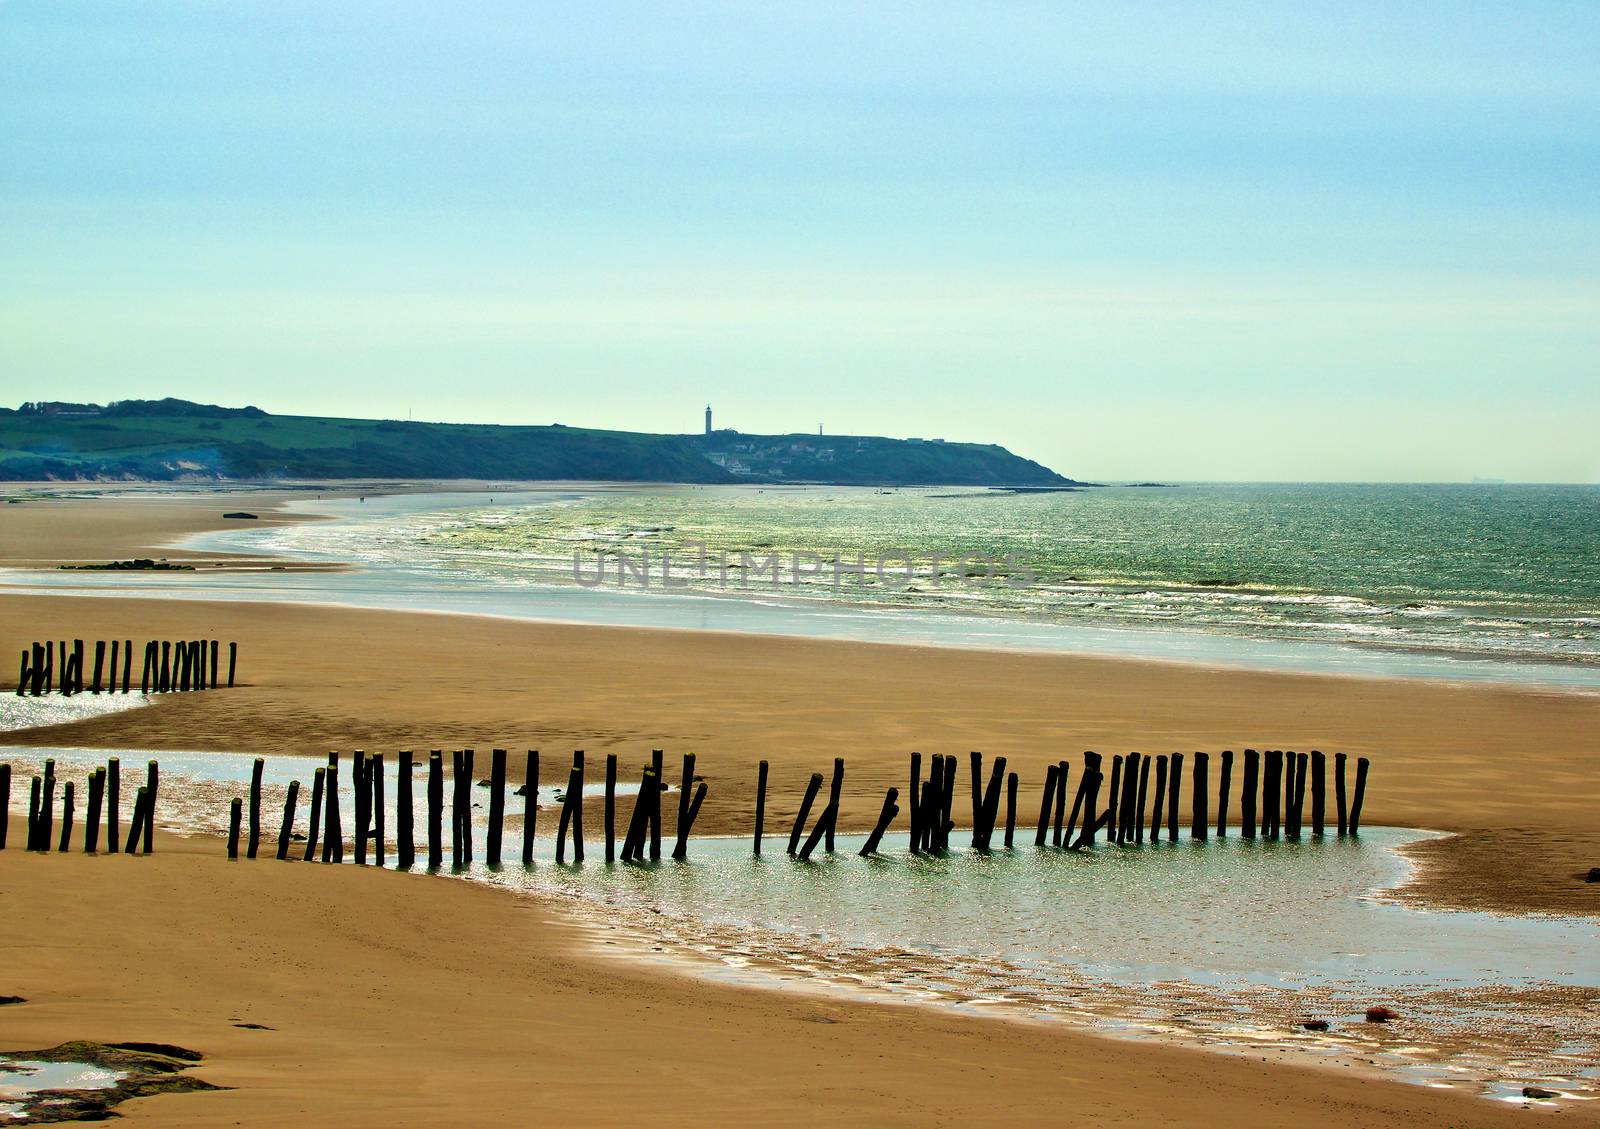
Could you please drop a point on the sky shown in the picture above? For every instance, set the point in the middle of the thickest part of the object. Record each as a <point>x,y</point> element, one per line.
<point>1339,241</point>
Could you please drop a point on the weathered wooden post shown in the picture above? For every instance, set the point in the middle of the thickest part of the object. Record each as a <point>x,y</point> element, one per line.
<point>233,661</point>
<point>99,666</point>
<point>405,837</point>
<point>1338,791</point>
<point>141,819</point>
<point>530,805</point>
<point>435,810</point>
<point>66,817</point>
<point>948,795</point>
<point>361,802</point>
<point>1290,831</point>
<point>1174,795</point>
<point>1201,823</point>
<point>1362,765</point>
<point>1112,795</point>
<point>633,844</point>
<point>761,805</point>
<point>681,851</point>
<point>332,833</point>
<point>1247,794</point>
<point>164,682</point>
<point>467,756</point>
<point>977,799</point>
<point>685,792</point>
<point>812,789</point>
<point>1160,799</point>
<point>1143,798</point>
<point>611,808</point>
<point>885,817</point>
<point>22,674</point>
<point>989,809</point>
<point>574,778</point>
<point>1011,807</point>
<point>458,774</point>
<point>255,806</point>
<point>1046,802</point>
<point>914,806</point>
<point>1319,791</point>
<point>111,686</point>
<point>235,810</point>
<point>113,804</point>
<point>286,831</point>
<point>1063,770</point>
<point>127,663</point>
<point>1301,767</point>
<point>47,805</point>
<point>1127,810</point>
<point>213,684</point>
<point>314,817</point>
<point>151,788</point>
<point>835,787</point>
<point>5,803</point>
<point>1271,778</point>
<point>35,822</point>
<point>933,804</point>
<point>577,809</point>
<point>656,763</point>
<point>376,772</point>
<point>497,805</point>
<point>1222,793</point>
<point>1089,792</point>
<point>91,822</point>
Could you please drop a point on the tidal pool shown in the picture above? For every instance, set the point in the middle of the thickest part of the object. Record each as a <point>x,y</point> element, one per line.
<point>1231,944</point>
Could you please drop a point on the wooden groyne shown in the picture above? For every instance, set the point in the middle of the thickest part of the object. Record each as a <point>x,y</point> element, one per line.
<point>169,666</point>
<point>1114,804</point>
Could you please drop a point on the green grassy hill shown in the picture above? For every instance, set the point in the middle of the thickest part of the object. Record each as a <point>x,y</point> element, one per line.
<point>176,439</point>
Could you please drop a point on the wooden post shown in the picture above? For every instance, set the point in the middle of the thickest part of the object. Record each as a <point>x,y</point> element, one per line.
<point>1011,807</point>
<point>286,831</point>
<point>113,804</point>
<point>141,819</point>
<point>361,802</point>
<point>376,765</point>
<point>824,821</point>
<point>22,674</point>
<point>1143,798</point>
<point>611,808</point>
<point>1089,794</point>
<point>314,816</point>
<point>1362,765</point>
<point>914,806</point>
<point>235,809</point>
<point>1319,791</point>
<point>151,788</point>
<point>530,805</point>
<point>948,795</point>
<point>1063,771</point>
<point>111,686</point>
<point>435,809</point>
<point>633,844</point>
<point>574,777</point>
<point>1338,791</point>
<point>47,805</point>
<point>1301,766</point>
<point>332,829</point>
<point>681,851</point>
<point>1160,799</point>
<point>835,787</point>
<point>1046,801</point>
<point>1290,831</point>
<point>1199,827</point>
<point>977,800</point>
<point>577,809</point>
<point>35,794</point>
<point>1222,793</point>
<point>1174,795</point>
<point>99,666</point>
<point>469,781</point>
<point>1247,794</point>
<point>5,803</point>
<point>148,673</point>
<point>405,818</point>
<point>213,684</point>
<point>66,818</point>
<point>1126,813</point>
<point>885,817</point>
<point>685,791</point>
<point>1113,794</point>
<point>656,757</point>
<point>164,682</point>
<point>233,661</point>
<point>91,822</point>
<point>812,789</point>
<point>933,804</point>
<point>255,806</point>
<point>457,775</point>
<point>761,805</point>
<point>497,805</point>
<point>989,809</point>
<point>1271,775</point>
<point>127,663</point>
<point>1091,775</point>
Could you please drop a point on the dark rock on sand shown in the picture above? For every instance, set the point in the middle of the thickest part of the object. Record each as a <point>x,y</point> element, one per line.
<point>4,1000</point>
<point>146,1069</point>
<point>1315,1025</point>
<point>1381,1014</point>
<point>1593,875</point>
<point>1539,1092</point>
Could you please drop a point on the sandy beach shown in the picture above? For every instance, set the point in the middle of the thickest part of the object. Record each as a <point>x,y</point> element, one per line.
<point>401,999</point>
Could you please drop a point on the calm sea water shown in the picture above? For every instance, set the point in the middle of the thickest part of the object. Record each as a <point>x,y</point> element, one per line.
<point>1492,571</point>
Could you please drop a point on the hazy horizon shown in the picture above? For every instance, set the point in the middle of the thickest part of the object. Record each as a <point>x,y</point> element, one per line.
<point>1237,243</point>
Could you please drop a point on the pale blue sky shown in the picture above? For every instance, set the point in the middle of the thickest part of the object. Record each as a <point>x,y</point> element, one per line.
<point>1179,241</point>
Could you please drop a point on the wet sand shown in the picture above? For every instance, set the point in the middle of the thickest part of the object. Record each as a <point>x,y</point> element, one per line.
<point>399,1000</point>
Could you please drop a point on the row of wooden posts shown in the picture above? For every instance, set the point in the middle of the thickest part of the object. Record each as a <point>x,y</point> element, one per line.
<point>104,786</point>
<point>169,665</point>
<point>642,837</point>
<point>1272,802</point>
<point>1279,780</point>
